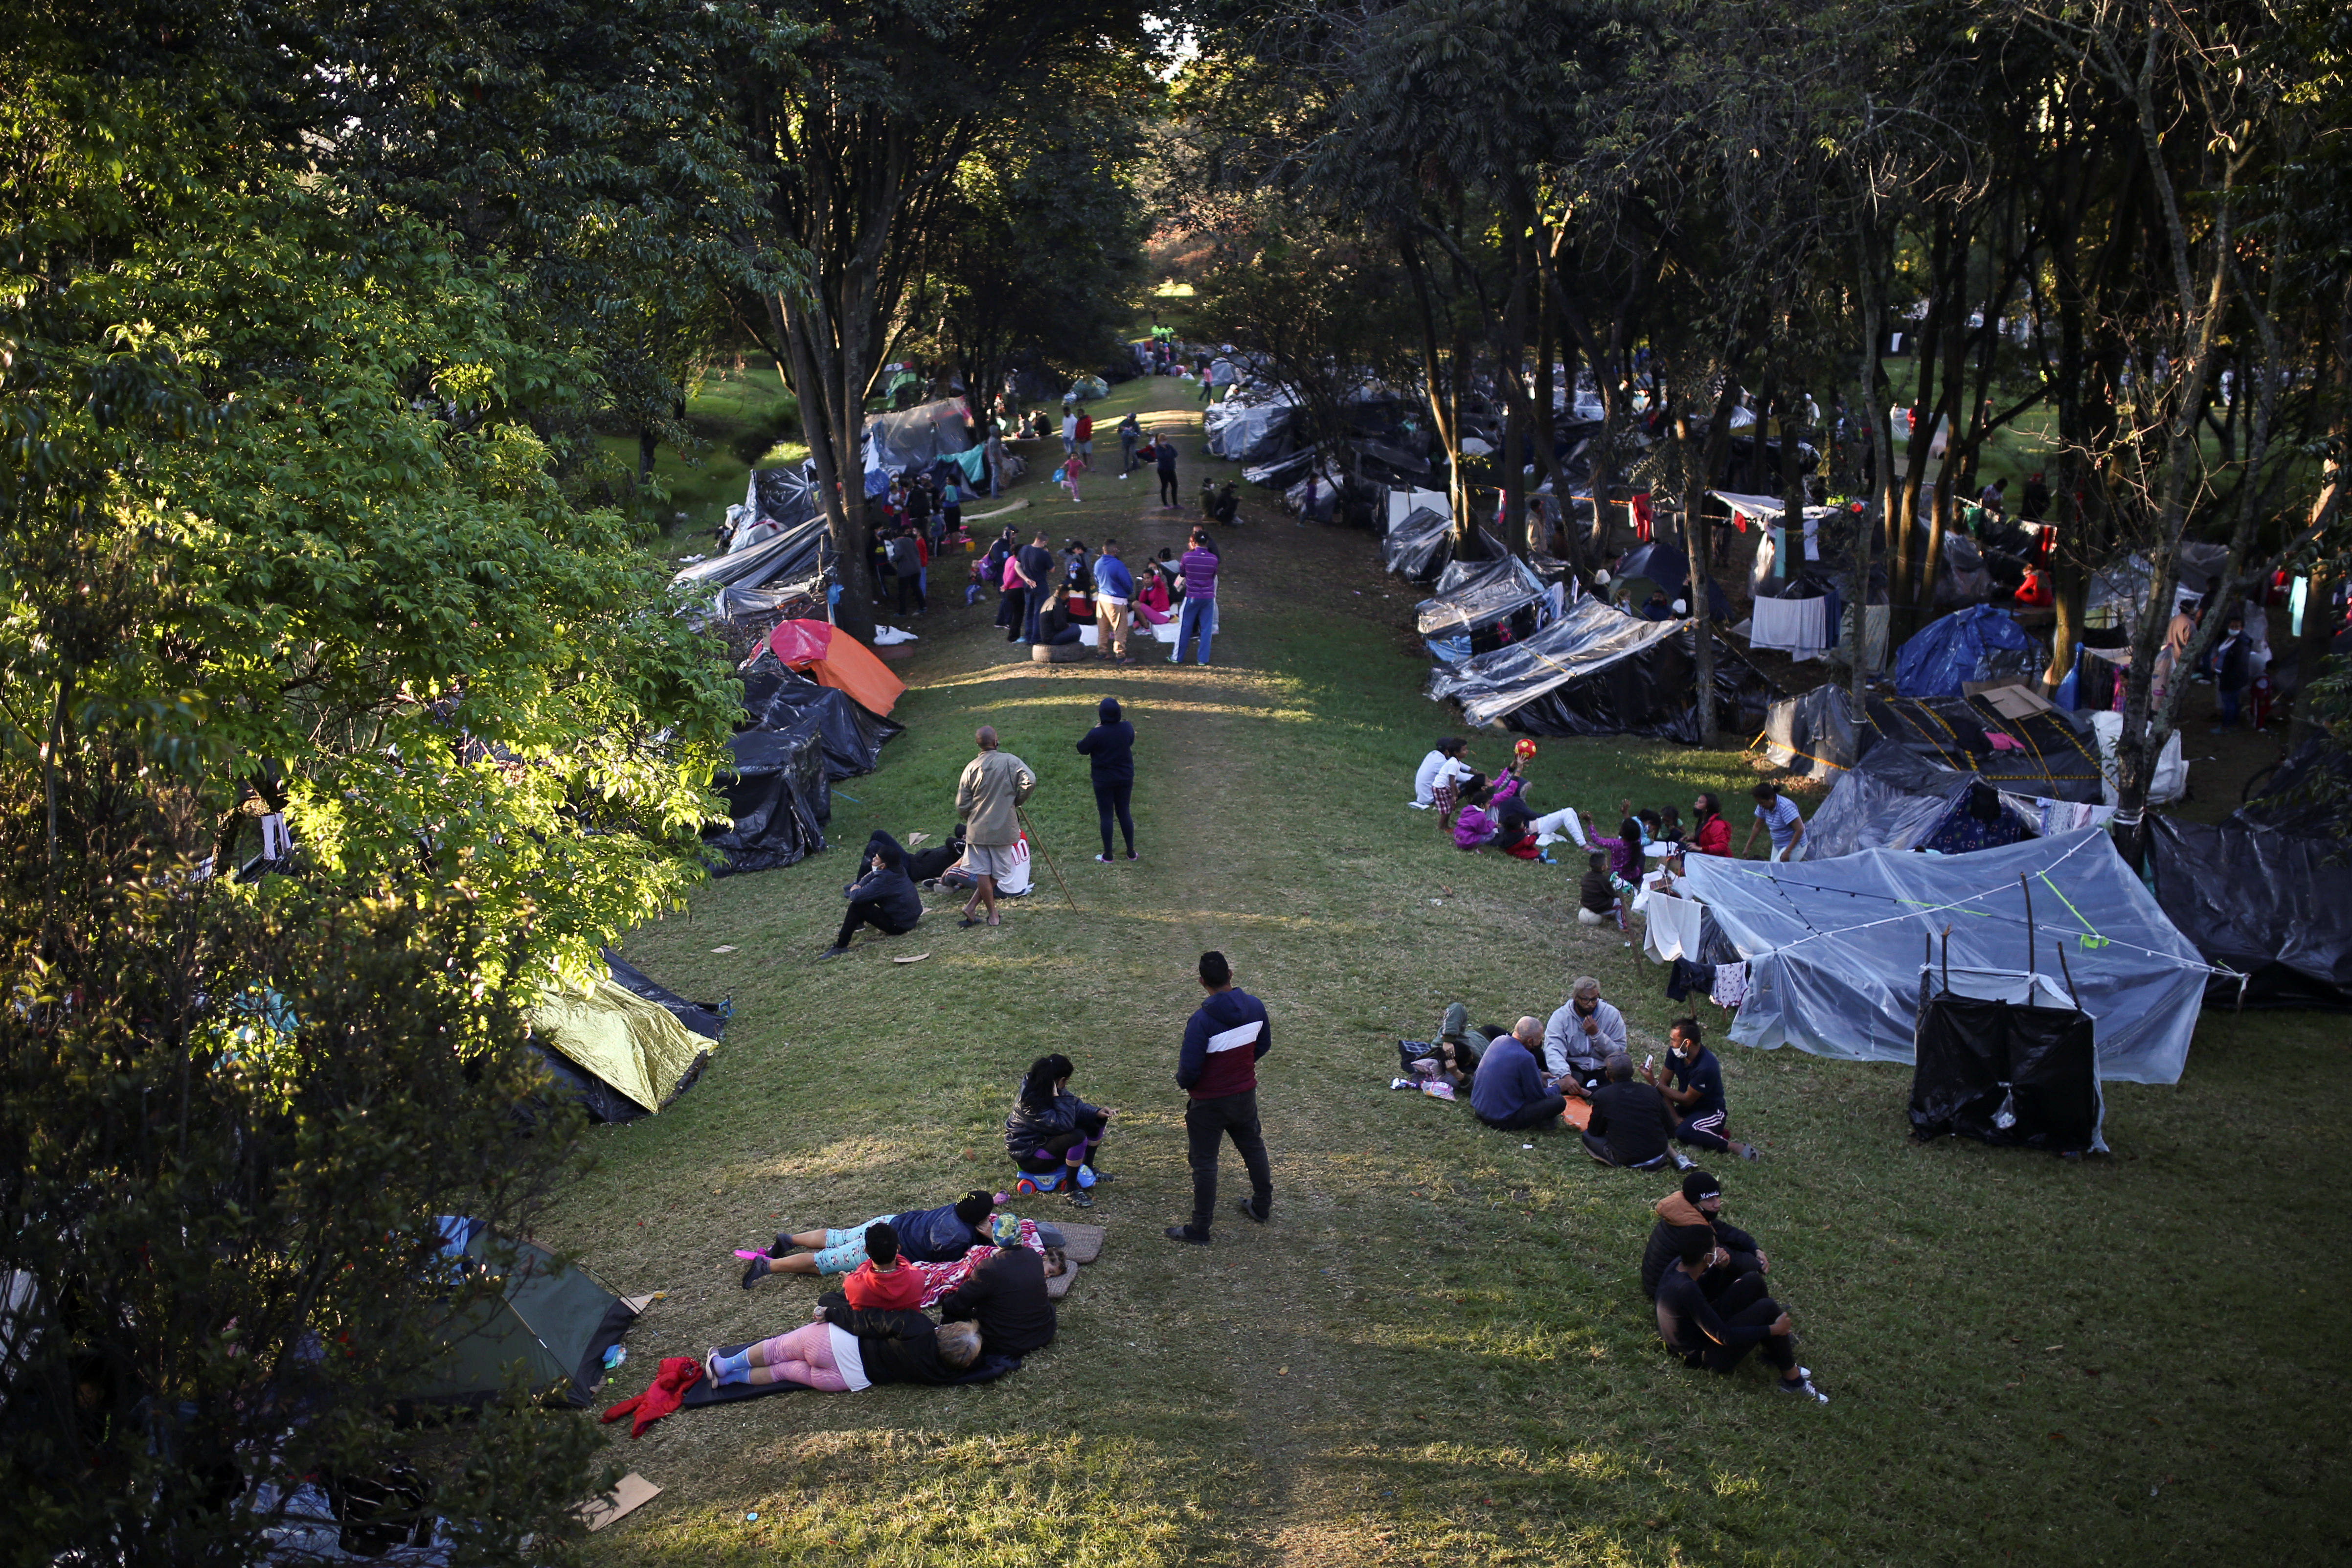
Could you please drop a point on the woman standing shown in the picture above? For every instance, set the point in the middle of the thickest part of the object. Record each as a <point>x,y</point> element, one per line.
<point>1109,747</point>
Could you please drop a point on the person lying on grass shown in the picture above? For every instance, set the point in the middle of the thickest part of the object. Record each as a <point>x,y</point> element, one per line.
<point>1718,1335</point>
<point>854,1348</point>
<point>923,1236</point>
<point>1050,1130</point>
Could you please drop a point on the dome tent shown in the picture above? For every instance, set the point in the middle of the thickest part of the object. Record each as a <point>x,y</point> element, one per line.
<point>1977,643</point>
<point>554,1320</point>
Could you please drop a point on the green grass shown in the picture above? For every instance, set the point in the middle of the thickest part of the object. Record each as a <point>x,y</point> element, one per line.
<point>744,421</point>
<point>1438,1352</point>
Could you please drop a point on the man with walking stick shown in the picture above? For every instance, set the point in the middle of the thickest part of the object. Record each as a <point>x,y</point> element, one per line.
<point>988,801</point>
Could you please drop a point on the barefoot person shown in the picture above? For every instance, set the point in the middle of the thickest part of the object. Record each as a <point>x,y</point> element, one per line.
<point>988,798</point>
<point>1218,1068</point>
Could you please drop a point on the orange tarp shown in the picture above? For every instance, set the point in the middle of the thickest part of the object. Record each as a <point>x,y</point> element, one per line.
<point>839,660</point>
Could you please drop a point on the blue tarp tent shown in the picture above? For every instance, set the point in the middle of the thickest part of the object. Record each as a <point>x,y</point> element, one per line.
<point>1669,568</point>
<point>1969,645</point>
<point>1835,948</point>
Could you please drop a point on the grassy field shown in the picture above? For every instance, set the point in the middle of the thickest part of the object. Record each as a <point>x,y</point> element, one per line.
<point>744,418</point>
<point>1438,1351</point>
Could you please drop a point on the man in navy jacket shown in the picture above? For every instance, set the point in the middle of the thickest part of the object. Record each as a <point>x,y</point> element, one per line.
<point>1218,1068</point>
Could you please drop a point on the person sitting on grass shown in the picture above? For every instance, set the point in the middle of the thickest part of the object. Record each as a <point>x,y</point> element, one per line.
<point>1444,767</point>
<point>1629,1122</point>
<point>1696,1086</point>
<point>924,1236</point>
<point>1598,896</point>
<point>883,899</point>
<point>1508,1093</point>
<point>1718,1335</point>
<point>1698,1207</point>
<point>853,1348</point>
<point>1052,1132</point>
<point>1006,1295</point>
<point>883,1280</point>
<point>1578,1038</point>
<point>1460,1047</point>
<point>926,866</point>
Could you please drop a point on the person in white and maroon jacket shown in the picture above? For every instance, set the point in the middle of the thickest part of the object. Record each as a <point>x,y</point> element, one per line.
<point>1218,1068</point>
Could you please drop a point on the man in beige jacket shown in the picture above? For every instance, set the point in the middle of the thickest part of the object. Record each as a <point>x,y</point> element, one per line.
<point>994,785</point>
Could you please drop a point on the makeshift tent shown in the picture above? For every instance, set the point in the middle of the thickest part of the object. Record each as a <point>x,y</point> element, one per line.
<point>1669,568</point>
<point>1478,593</point>
<point>776,699</point>
<point>1835,948</point>
<point>1598,671</point>
<point>2006,1060</point>
<point>1814,734</point>
<point>2053,756</point>
<point>1894,799</point>
<point>1419,544</point>
<point>554,1322</point>
<point>647,1068</point>
<point>1087,387</point>
<point>785,550</point>
<point>916,437</point>
<point>777,797</point>
<point>1253,432</point>
<point>2275,904</point>
<point>1982,643</point>
<point>839,660</point>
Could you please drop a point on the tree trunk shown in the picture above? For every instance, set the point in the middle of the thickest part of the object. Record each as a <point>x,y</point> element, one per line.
<point>1697,466</point>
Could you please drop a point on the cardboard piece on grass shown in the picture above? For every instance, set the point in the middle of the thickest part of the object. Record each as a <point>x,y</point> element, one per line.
<point>2012,699</point>
<point>1081,1243</point>
<point>638,1304</point>
<point>910,958</point>
<point>632,1493</point>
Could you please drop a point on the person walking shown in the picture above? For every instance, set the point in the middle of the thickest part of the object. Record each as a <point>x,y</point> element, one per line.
<point>1069,429</point>
<point>996,459</point>
<point>1114,589</point>
<point>1163,448</point>
<point>906,561</point>
<point>988,801</point>
<point>1110,748</point>
<point>1086,435</point>
<point>1200,617</point>
<point>1218,1068</point>
<point>1131,431</point>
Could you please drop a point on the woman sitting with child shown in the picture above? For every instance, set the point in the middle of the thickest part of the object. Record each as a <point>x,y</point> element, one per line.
<point>1052,1133</point>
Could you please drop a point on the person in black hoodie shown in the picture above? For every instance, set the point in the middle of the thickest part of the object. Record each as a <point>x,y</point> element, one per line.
<point>1718,1334</point>
<point>1698,1207</point>
<point>1006,1297</point>
<point>921,866</point>
<point>883,899</point>
<point>1110,748</point>
<point>1218,1068</point>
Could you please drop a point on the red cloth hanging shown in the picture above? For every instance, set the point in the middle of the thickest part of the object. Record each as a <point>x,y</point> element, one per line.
<point>1643,524</point>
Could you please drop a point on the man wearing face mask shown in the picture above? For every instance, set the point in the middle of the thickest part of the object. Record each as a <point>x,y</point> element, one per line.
<point>1580,1037</point>
<point>1694,1087</point>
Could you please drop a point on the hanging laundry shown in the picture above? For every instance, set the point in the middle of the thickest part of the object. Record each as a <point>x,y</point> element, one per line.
<point>1730,985</point>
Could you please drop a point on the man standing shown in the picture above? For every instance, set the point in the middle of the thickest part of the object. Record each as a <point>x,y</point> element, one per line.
<point>1114,591</point>
<point>1582,1036</point>
<point>1218,1068</point>
<point>1069,428</point>
<point>1035,566</point>
<point>1163,451</point>
<point>1086,435</point>
<point>1777,815</point>
<point>1131,431</point>
<point>1200,615</point>
<point>988,798</point>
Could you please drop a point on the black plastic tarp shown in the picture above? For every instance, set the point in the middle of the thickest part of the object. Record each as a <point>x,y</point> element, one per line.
<point>777,699</point>
<point>914,437</point>
<point>777,798</point>
<point>2005,1072</point>
<point>1895,799</point>
<point>1477,594</point>
<point>2272,903</point>
<point>1598,671</point>
<point>801,553</point>
<point>1814,734</point>
<point>2053,760</point>
<point>1420,543</point>
<point>708,1019</point>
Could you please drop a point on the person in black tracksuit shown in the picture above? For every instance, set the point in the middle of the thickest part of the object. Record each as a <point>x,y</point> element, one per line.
<point>883,899</point>
<point>920,865</point>
<point>1698,1207</point>
<point>1110,748</point>
<point>1718,1335</point>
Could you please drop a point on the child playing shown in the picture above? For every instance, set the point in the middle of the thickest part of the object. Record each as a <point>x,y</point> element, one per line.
<point>1066,475</point>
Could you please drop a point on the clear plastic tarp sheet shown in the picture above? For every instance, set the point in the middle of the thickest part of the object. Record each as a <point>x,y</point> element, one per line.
<point>1834,947</point>
<point>1477,594</point>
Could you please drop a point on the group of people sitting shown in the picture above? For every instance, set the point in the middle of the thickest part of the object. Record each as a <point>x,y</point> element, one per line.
<point>983,1272</point>
<point>1523,1078</point>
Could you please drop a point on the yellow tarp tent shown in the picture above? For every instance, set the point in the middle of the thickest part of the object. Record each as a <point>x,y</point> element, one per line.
<point>637,1046</point>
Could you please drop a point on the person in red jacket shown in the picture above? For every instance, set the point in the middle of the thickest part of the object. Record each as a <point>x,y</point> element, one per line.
<point>1086,440</point>
<point>1713,834</point>
<point>883,1280</point>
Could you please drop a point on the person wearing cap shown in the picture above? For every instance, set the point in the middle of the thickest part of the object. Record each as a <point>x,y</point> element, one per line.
<point>1718,1334</point>
<point>1698,1207</point>
<point>1694,1092</point>
<point>1582,1036</point>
